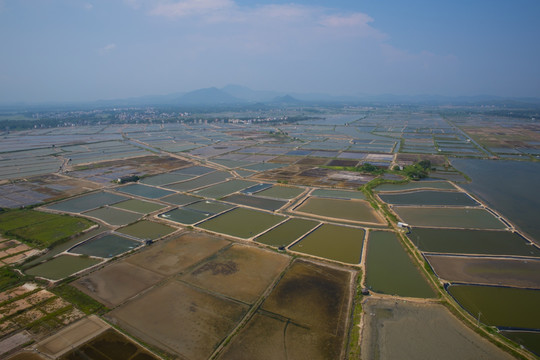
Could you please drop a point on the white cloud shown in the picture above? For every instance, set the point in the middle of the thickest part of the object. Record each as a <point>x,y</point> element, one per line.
<point>107,48</point>
<point>88,6</point>
<point>190,7</point>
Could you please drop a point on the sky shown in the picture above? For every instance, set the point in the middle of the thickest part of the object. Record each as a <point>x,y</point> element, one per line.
<point>71,50</point>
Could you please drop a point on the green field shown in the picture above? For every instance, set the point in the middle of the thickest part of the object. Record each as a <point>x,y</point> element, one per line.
<point>41,229</point>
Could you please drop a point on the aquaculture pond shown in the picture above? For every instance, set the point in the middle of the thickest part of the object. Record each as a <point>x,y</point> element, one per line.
<point>488,271</point>
<point>338,194</point>
<point>340,243</point>
<point>140,206</point>
<point>287,232</point>
<point>209,206</point>
<point>530,340</point>
<point>114,216</point>
<point>439,185</point>
<point>255,201</point>
<point>144,191</point>
<point>194,170</point>
<point>426,197</point>
<point>461,241</point>
<point>243,223</point>
<point>500,306</point>
<point>353,210</point>
<point>225,188</point>
<point>281,192</point>
<point>510,187</point>
<point>449,217</point>
<point>62,266</point>
<point>390,270</point>
<point>255,188</point>
<point>264,166</point>
<point>185,216</point>
<point>145,229</point>
<point>180,199</point>
<point>163,179</point>
<point>201,181</point>
<point>106,246</point>
<point>87,202</point>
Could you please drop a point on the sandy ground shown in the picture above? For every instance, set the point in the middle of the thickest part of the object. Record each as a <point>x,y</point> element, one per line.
<point>397,329</point>
<point>72,336</point>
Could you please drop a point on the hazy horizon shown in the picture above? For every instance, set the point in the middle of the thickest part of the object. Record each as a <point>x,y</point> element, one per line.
<point>68,51</point>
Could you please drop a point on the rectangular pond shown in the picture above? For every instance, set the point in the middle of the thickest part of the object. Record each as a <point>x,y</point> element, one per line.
<point>180,199</point>
<point>281,192</point>
<point>352,210</point>
<point>145,229</point>
<point>140,206</point>
<point>439,185</point>
<point>225,188</point>
<point>426,197</point>
<point>390,270</point>
<point>487,271</point>
<point>287,232</point>
<point>114,216</point>
<point>185,216</point>
<point>144,191</point>
<point>333,242</point>
<point>201,181</point>
<point>464,218</point>
<point>500,306</point>
<point>461,241</point>
<point>62,266</point>
<point>338,194</point>
<point>243,223</point>
<point>87,202</point>
<point>255,201</point>
<point>163,179</point>
<point>106,246</point>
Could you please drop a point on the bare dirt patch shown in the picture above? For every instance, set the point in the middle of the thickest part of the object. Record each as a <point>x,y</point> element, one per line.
<point>116,283</point>
<point>241,272</point>
<point>271,338</point>
<point>179,319</point>
<point>396,329</point>
<point>175,255</point>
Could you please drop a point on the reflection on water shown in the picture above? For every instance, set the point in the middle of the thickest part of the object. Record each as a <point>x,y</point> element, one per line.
<point>510,187</point>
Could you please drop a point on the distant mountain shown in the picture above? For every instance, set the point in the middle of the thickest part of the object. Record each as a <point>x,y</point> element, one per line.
<point>286,99</point>
<point>213,96</point>
<point>243,92</point>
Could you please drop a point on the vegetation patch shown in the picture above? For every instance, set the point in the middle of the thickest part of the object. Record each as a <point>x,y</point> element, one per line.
<point>40,229</point>
<point>79,299</point>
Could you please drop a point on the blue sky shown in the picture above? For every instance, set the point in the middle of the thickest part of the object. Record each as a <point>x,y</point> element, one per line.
<point>70,50</point>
